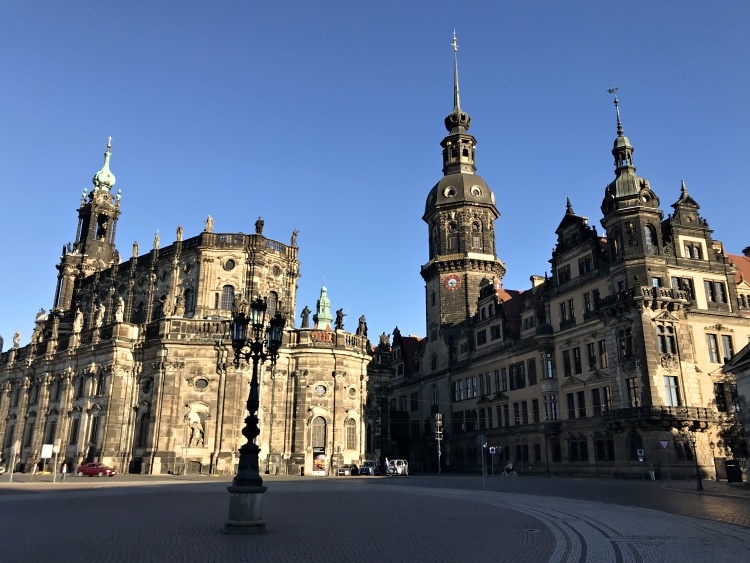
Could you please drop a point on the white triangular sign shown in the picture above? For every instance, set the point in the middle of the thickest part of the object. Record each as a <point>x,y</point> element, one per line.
<point>664,444</point>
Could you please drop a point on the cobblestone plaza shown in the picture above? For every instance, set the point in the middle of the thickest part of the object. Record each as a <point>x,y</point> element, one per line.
<point>153,518</point>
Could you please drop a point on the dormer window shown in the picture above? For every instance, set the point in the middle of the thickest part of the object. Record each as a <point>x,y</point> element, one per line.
<point>693,250</point>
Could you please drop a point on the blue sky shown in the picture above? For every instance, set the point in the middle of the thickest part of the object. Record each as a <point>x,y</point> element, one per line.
<point>327,117</point>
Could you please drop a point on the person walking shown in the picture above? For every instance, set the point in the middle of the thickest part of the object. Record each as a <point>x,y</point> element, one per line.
<point>35,471</point>
<point>63,471</point>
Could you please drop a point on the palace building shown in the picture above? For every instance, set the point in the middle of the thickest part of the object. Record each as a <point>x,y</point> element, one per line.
<point>133,366</point>
<point>612,364</point>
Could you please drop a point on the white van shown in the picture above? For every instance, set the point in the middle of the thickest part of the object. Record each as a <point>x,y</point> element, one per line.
<point>398,467</point>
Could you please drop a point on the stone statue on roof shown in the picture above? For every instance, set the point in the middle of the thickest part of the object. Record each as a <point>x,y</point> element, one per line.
<point>305,317</point>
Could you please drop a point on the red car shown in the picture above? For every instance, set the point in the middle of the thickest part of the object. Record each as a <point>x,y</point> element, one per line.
<point>91,469</point>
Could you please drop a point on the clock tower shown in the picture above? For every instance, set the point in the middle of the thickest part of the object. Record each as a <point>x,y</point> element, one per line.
<point>460,214</point>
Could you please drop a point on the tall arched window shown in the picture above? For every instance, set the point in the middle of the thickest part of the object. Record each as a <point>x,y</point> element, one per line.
<point>142,432</point>
<point>272,303</point>
<point>227,297</point>
<point>318,433</point>
<point>189,296</point>
<point>434,361</point>
<point>649,238</point>
<point>351,434</point>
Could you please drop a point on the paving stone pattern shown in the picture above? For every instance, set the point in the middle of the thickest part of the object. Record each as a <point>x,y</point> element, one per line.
<point>368,519</point>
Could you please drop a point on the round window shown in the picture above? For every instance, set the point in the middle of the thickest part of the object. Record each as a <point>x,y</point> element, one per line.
<point>450,191</point>
<point>229,265</point>
<point>201,383</point>
<point>476,191</point>
<point>276,271</point>
<point>352,392</point>
<point>320,390</point>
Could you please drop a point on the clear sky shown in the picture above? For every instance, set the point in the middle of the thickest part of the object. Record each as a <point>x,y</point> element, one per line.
<point>326,117</point>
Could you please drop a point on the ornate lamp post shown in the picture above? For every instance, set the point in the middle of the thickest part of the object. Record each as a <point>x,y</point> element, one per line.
<point>261,344</point>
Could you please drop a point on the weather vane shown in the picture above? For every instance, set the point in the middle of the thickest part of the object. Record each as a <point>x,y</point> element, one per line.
<point>613,90</point>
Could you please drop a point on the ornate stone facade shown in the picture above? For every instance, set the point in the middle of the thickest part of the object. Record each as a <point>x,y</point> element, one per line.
<point>590,371</point>
<point>133,367</point>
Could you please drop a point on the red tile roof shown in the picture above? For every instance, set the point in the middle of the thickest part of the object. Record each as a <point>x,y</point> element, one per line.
<point>742,263</point>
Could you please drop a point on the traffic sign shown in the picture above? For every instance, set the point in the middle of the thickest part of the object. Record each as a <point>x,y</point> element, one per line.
<point>664,444</point>
<point>640,454</point>
<point>492,450</point>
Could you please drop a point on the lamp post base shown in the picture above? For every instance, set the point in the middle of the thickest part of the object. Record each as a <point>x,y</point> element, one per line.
<point>245,514</point>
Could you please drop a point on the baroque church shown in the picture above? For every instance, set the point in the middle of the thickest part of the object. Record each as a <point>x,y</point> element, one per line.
<point>133,366</point>
<point>612,365</point>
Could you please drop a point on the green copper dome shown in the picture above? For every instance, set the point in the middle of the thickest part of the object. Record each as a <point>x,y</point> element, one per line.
<point>104,179</point>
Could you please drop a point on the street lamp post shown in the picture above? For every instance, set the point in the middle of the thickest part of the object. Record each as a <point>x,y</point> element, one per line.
<point>263,342</point>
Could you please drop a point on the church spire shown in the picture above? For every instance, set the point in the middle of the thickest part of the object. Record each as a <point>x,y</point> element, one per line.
<point>622,149</point>
<point>104,179</point>
<point>456,92</point>
<point>457,121</point>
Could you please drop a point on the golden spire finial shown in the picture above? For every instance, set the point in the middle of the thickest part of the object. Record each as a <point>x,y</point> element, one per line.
<point>455,43</point>
<point>109,142</point>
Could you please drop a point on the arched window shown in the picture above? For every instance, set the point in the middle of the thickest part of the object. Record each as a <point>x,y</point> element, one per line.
<point>79,387</point>
<point>227,297</point>
<point>272,304</point>
<point>649,238</point>
<point>142,432</point>
<point>435,395</point>
<point>483,313</point>
<point>351,434</point>
<point>99,383</point>
<point>51,430</point>
<point>476,236</point>
<point>434,361</point>
<point>139,315</point>
<point>491,310</point>
<point>318,434</point>
<point>189,296</point>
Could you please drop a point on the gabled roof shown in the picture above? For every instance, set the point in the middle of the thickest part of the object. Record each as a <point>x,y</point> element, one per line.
<point>742,263</point>
<point>739,362</point>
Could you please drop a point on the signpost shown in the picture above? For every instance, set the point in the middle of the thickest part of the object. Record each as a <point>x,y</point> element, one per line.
<point>482,443</point>
<point>664,445</point>
<point>492,461</point>
<point>438,435</point>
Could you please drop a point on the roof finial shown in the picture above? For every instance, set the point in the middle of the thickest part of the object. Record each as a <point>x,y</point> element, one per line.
<point>109,142</point>
<point>456,95</point>
<point>569,207</point>
<point>614,90</point>
<point>684,188</point>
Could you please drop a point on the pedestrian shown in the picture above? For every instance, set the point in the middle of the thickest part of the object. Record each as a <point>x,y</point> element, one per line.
<point>35,471</point>
<point>64,471</point>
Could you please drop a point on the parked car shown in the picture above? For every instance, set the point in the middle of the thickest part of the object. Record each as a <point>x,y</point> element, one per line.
<point>348,469</point>
<point>91,469</point>
<point>398,467</point>
<point>369,467</point>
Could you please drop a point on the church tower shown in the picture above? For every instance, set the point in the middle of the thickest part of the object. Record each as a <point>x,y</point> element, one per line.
<point>632,220</point>
<point>94,246</point>
<point>460,213</point>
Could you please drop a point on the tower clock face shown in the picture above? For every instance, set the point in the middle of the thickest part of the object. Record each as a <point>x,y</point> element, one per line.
<point>452,282</point>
